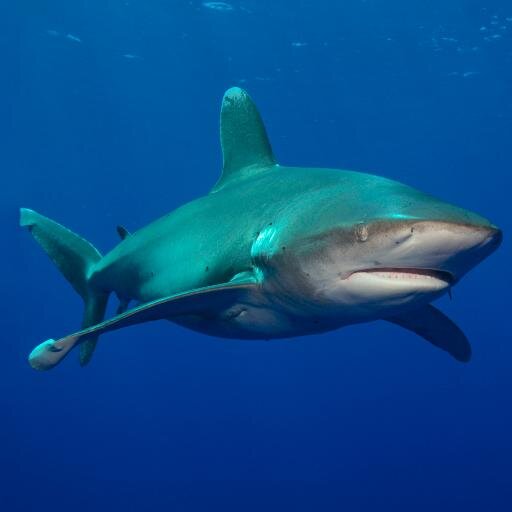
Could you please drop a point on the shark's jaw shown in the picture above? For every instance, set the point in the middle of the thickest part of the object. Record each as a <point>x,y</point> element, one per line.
<point>383,288</point>
<point>419,277</point>
<point>377,292</point>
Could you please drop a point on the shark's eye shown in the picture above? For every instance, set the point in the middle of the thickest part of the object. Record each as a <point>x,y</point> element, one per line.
<point>361,231</point>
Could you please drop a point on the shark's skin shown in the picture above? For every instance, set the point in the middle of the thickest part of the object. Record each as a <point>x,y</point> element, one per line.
<point>276,252</point>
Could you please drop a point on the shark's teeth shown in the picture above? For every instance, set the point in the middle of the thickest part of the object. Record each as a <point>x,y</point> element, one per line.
<point>410,273</point>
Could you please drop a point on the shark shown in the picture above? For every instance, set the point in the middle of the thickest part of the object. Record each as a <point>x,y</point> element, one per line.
<point>274,252</point>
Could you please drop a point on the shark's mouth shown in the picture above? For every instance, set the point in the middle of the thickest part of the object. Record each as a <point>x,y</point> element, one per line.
<point>402,274</point>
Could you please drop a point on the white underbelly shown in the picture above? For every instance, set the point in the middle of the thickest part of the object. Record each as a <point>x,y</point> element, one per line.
<point>243,321</point>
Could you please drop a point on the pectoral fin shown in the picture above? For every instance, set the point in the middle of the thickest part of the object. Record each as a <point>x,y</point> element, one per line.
<point>202,301</point>
<point>434,326</point>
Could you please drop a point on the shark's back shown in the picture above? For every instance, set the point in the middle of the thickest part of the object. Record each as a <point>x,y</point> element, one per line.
<point>203,242</point>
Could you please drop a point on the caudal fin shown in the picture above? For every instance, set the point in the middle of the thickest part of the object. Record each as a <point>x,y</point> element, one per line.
<point>75,258</point>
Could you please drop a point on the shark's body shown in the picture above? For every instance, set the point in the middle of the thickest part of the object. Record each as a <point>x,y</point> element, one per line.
<point>276,252</point>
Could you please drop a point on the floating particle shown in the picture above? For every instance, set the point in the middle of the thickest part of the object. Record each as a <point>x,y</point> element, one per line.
<point>132,56</point>
<point>494,37</point>
<point>53,33</point>
<point>218,6</point>
<point>299,44</point>
<point>73,38</point>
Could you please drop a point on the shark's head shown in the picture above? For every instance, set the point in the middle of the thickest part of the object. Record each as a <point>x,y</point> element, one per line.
<point>376,245</point>
<point>344,238</point>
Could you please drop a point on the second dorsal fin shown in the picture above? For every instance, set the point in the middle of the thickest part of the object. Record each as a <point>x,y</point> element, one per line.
<point>245,145</point>
<point>122,232</point>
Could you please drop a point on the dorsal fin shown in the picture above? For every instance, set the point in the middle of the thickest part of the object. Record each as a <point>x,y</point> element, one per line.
<point>245,145</point>
<point>122,232</point>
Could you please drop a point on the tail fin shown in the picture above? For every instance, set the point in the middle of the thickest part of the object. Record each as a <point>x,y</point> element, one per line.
<point>75,258</point>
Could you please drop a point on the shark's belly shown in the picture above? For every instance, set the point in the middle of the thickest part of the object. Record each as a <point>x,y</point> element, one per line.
<point>240,321</point>
<point>258,317</point>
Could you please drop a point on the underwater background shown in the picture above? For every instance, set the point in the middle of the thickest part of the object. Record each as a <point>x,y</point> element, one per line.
<point>109,115</point>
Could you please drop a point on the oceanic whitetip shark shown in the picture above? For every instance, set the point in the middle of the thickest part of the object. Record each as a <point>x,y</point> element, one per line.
<point>275,252</point>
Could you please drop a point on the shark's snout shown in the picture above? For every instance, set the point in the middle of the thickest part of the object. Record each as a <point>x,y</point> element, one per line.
<point>449,247</point>
<point>494,237</point>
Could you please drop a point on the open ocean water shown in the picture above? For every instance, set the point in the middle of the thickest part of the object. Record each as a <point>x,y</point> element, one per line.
<point>109,115</point>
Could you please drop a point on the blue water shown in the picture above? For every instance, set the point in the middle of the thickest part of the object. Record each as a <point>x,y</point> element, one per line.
<point>109,115</point>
